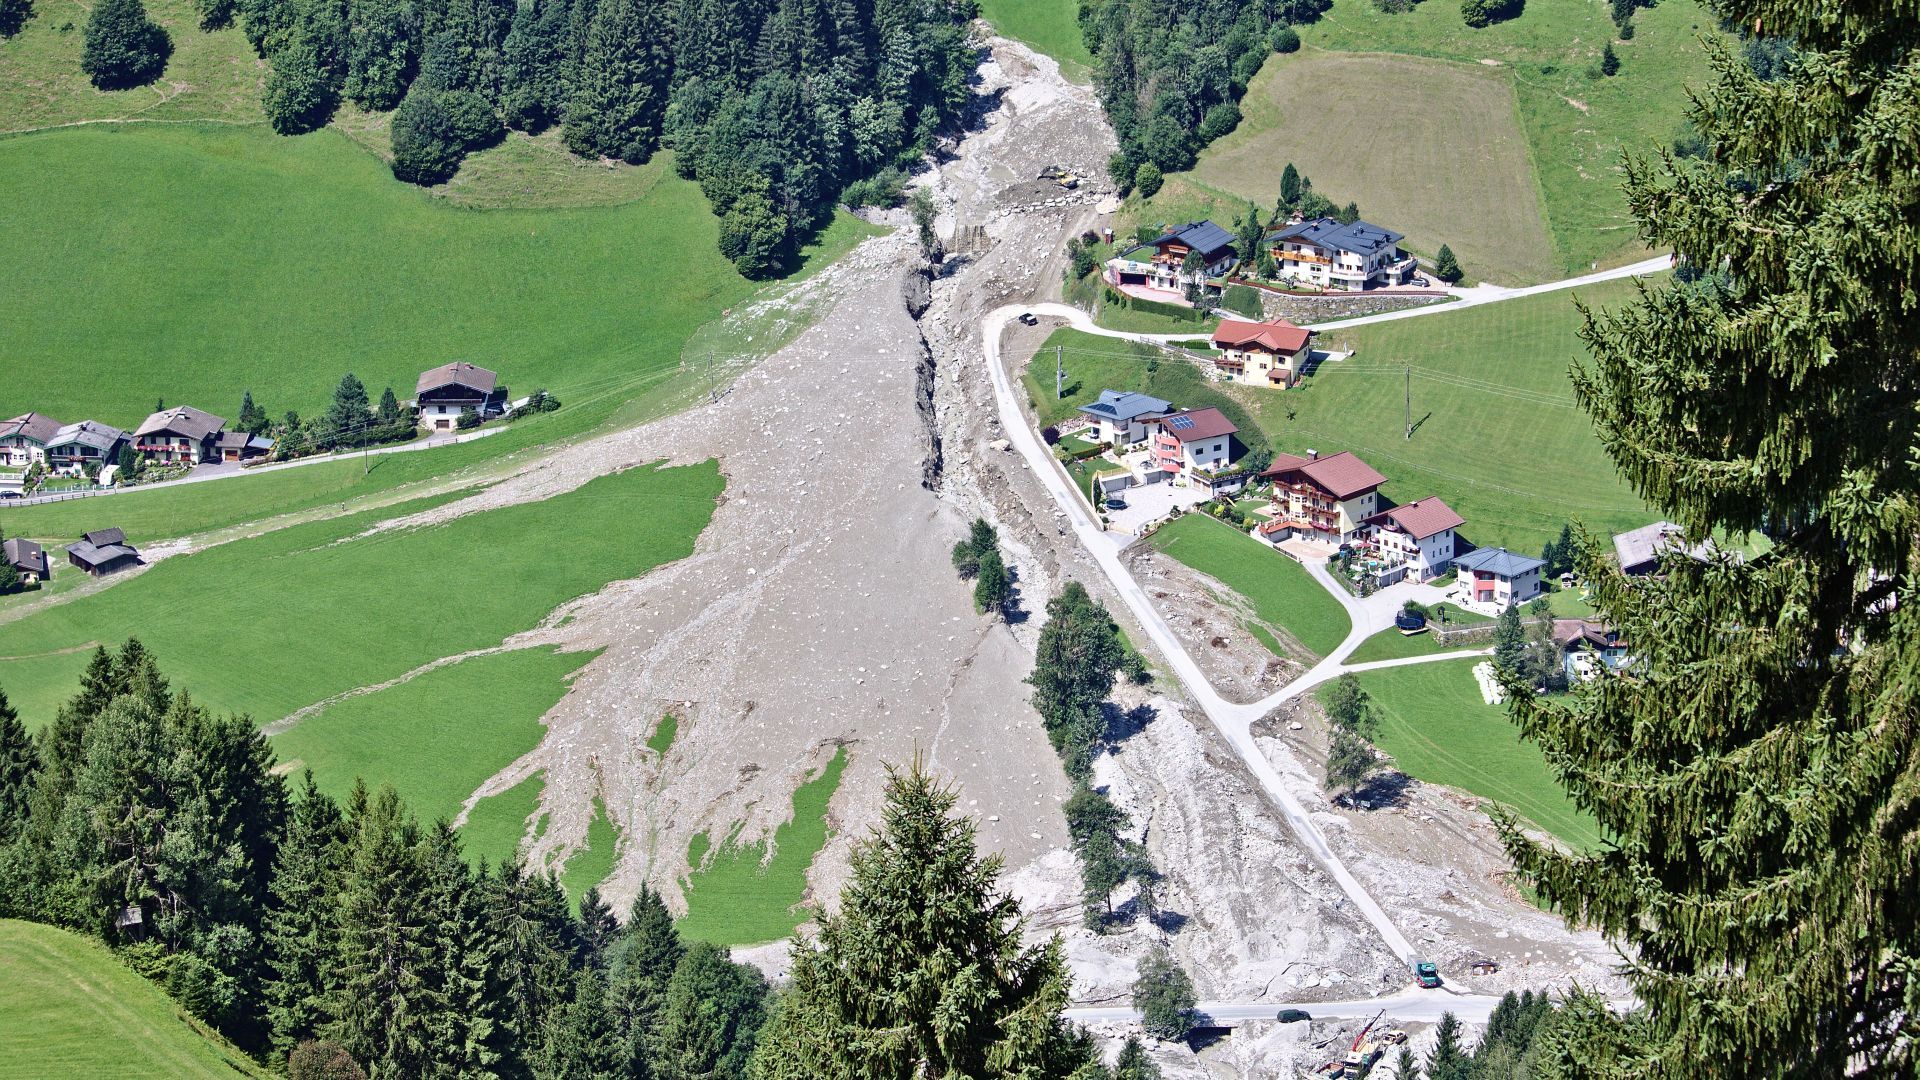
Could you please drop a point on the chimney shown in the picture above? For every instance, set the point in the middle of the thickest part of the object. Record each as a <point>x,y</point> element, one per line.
<point>1313,455</point>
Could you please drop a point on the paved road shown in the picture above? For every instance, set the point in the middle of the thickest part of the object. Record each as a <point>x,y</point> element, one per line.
<point>1493,294</point>
<point>1409,1007</point>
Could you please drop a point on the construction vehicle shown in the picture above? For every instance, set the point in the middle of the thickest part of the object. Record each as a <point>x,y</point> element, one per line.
<point>1061,175</point>
<point>1361,1056</point>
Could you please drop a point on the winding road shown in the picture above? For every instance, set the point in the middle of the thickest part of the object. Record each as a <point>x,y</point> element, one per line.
<point>1234,721</point>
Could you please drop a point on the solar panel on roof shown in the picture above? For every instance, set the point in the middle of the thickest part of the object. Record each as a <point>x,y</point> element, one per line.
<point>1182,422</point>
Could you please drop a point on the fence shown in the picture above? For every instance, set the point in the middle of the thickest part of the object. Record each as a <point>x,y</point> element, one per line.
<point>59,496</point>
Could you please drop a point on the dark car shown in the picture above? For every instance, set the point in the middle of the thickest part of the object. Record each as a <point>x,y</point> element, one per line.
<point>1116,504</point>
<point>1293,1016</point>
<point>1426,974</point>
<point>1029,318</point>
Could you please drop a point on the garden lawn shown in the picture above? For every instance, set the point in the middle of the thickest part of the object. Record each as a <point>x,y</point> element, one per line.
<point>1391,644</point>
<point>192,263</point>
<point>438,736</point>
<point>1280,590</point>
<point>1576,124</point>
<point>271,624</point>
<point>70,1008</point>
<point>737,895</point>
<point>1441,159</point>
<point>1049,26</point>
<point>1439,729</point>
<point>1097,363</point>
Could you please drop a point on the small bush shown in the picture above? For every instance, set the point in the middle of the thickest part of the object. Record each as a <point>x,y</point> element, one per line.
<point>1147,180</point>
<point>469,419</point>
<point>1284,39</point>
<point>885,189</point>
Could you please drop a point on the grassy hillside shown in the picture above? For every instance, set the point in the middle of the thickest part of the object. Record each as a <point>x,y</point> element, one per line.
<point>1049,26</point>
<point>1439,729</point>
<point>1497,434</point>
<point>193,263</point>
<point>744,895</point>
<point>69,1008</point>
<point>326,617</point>
<point>1432,149</point>
<point>1280,590</point>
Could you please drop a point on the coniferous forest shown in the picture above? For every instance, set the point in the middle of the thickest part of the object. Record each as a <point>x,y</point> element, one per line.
<point>773,106</point>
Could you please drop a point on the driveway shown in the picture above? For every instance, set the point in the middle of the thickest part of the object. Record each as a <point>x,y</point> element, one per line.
<point>1149,503</point>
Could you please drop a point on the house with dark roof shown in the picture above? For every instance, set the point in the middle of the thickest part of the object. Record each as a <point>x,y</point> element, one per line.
<point>240,446</point>
<point>1498,577</point>
<point>1193,445</point>
<point>103,552</point>
<point>28,559</point>
<point>182,435</point>
<point>1419,535</point>
<point>1122,418</point>
<point>1262,353</point>
<point>88,442</point>
<point>1587,647</point>
<point>1327,498</point>
<point>1160,263</point>
<point>24,438</point>
<point>1639,550</point>
<point>1335,255</point>
<point>443,393</point>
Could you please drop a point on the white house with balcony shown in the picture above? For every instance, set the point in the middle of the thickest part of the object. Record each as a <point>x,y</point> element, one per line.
<point>1122,418</point>
<point>1331,255</point>
<point>1160,264</point>
<point>1419,535</point>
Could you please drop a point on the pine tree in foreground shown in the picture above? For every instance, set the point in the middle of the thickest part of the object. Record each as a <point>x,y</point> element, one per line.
<point>1757,771</point>
<point>922,971</point>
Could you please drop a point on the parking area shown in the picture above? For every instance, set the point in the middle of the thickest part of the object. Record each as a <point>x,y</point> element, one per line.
<point>1149,503</point>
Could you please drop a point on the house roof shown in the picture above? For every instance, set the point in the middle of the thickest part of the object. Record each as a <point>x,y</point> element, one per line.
<point>1421,518</point>
<point>1341,474</point>
<point>1196,424</point>
<point>1498,561</point>
<point>36,426</point>
<point>1277,336</point>
<point>1361,238</point>
<point>1204,237</point>
<point>458,373</point>
<point>1126,405</point>
<point>26,555</point>
<point>1640,549</point>
<point>87,433</point>
<point>104,537</point>
<point>184,420</point>
<point>1569,632</point>
<point>90,553</point>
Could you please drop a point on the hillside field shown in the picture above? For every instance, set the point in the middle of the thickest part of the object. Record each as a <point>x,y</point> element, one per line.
<point>1279,589</point>
<point>1428,148</point>
<point>1048,26</point>
<point>70,1008</point>
<point>192,263</point>
<point>1497,433</point>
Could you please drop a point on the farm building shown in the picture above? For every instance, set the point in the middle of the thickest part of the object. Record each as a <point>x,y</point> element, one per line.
<point>1334,255</point>
<point>1639,550</point>
<point>103,552</point>
<point>1262,353</point>
<point>28,559</point>
<point>240,446</point>
<point>1122,418</point>
<point>443,393</point>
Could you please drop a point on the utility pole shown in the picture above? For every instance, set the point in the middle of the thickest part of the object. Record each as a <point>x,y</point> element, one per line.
<point>1059,375</point>
<point>1409,401</point>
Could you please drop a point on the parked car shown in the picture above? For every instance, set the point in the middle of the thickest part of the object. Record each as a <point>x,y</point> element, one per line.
<point>1426,974</point>
<point>1293,1016</point>
<point>1116,504</point>
<point>1029,318</point>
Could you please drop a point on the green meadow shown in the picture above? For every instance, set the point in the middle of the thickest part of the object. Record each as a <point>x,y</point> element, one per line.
<point>89,1015</point>
<point>271,624</point>
<point>1049,26</point>
<point>191,263</point>
<point>1439,729</point>
<point>496,824</point>
<point>747,894</point>
<point>1497,433</point>
<point>1280,590</point>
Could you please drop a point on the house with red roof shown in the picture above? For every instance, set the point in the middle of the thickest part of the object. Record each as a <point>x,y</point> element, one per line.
<point>1418,535</point>
<point>1325,498</point>
<point>1193,445</point>
<point>1262,353</point>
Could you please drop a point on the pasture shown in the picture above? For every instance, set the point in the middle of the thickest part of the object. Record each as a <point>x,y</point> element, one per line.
<point>746,894</point>
<point>1439,729</point>
<point>1428,148</point>
<point>193,263</point>
<point>89,1015</point>
<point>1280,590</point>
<point>1048,26</point>
<point>1497,433</point>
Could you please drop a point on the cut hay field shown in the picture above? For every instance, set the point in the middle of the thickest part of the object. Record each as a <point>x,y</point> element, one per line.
<point>1280,590</point>
<point>1497,435</point>
<point>1048,26</point>
<point>1439,729</point>
<point>195,262</point>
<point>70,1008</point>
<point>1429,148</point>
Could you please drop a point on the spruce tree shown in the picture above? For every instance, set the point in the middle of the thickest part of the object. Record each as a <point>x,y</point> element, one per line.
<point>599,929</point>
<point>1756,770</point>
<point>1448,1060</point>
<point>1291,188</point>
<point>993,585</point>
<point>1404,1066</point>
<point>386,993</point>
<point>535,72</point>
<point>922,971</point>
<point>640,967</point>
<point>301,921</point>
<point>1163,993</point>
<point>1509,641</point>
<point>349,417</point>
<point>713,1011</point>
<point>122,47</point>
<point>9,578</point>
<point>1609,60</point>
<point>1133,1062</point>
<point>1446,267</point>
<point>620,96</point>
<point>253,418</point>
<point>18,763</point>
<point>14,15</point>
